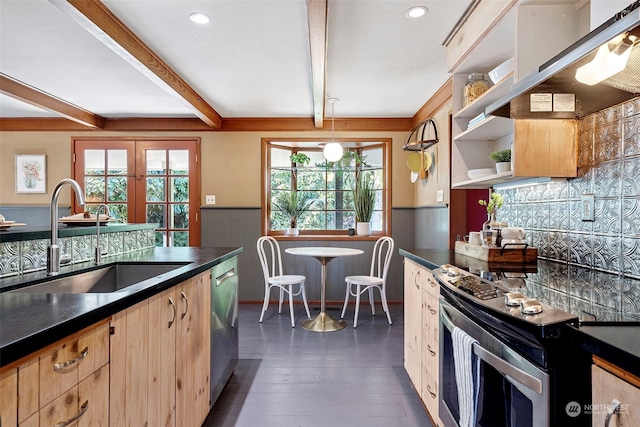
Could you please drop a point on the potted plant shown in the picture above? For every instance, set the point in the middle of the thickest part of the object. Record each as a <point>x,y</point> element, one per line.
<point>299,159</point>
<point>293,204</point>
<point>502,159</point>
<point>364,199</point>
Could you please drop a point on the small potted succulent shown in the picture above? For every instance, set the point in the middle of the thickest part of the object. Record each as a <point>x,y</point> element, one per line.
<point>299,159</point>
<point>502,159</point>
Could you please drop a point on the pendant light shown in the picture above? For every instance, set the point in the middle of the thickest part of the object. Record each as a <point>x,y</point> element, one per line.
<point>333,151</point>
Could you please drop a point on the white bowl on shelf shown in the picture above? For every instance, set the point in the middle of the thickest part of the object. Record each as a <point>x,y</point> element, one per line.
<point>501,71</point>
<point>479,173</point>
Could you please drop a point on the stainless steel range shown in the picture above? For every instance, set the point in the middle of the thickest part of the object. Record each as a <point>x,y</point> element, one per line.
<point>522,372</point>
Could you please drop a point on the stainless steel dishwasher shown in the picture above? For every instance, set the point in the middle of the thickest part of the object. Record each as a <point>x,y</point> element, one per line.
<point>224,324</point>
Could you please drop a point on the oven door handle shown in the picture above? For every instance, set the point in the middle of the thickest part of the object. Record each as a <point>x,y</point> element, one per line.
<point>501,365</point>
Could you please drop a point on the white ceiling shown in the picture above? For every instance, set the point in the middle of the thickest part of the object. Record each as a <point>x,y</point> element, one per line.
<point>251,60</point>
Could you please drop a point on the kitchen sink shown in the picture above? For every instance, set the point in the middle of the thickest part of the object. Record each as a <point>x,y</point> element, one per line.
<point>107,279</point>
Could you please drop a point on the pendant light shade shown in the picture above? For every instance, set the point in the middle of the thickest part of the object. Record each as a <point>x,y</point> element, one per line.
<point>333,151</point>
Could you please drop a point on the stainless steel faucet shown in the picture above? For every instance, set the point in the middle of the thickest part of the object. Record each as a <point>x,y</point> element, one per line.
<point>98,257</point>
<point>53,252</point>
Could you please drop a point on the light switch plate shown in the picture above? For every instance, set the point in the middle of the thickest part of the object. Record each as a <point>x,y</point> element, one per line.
<point>587,207</point>
<point>210,200</point>
<point>440,196</point>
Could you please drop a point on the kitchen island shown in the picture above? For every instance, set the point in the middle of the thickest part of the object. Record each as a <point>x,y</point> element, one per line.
<point>145,352</point>
<point>30,321</point>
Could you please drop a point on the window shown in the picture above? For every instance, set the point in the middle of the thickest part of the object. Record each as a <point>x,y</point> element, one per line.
<point>329,184</point>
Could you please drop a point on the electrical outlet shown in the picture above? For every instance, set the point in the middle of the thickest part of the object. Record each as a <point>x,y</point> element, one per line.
<point>210,200</point>
<point>587,207</point>
<point>440,196</point>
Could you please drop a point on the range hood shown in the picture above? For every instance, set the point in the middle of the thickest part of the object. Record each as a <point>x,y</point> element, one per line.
<point>552,90</point>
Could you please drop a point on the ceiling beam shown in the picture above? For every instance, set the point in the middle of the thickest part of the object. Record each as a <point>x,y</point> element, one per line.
<point>99,21</point>
<point>317,13</point>
<point>40,99</point>
<point>236,124</point>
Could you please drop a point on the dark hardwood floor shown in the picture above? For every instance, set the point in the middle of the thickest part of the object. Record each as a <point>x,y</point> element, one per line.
<point>291,377</point>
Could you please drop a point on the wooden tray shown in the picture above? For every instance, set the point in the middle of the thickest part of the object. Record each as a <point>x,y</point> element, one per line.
<point>519,253</point>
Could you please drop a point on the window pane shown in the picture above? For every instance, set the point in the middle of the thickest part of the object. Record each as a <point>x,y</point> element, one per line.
<point>311,180</point>
<point>280,158</point>
<point>94,162</point>
<point>373,156</point>
<point>117,161</point>
<point>156,214</point>
<point>376,220</point>
<point>179,238</point>
<point>156,162</point>
<point>160,238</point>
<point>155,189</point>
<point>179,162</point>
<point>117,189</point>
<point>180,216</point>
<point>316,157</point>
<point>280,180</point>
<point>119,212</point>
<point>94,189</point>
<point>179,189</point>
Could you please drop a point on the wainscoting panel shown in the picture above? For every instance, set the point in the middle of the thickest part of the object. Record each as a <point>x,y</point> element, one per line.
<point>234,227</point>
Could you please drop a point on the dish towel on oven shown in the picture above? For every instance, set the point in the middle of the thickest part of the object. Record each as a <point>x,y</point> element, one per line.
<point>467,366</point>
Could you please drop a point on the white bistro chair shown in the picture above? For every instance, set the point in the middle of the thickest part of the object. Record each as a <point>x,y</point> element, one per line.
<point>377,278</point>
<point>271,260</point>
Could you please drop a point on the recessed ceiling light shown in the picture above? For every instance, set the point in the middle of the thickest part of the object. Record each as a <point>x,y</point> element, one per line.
<point>199,18</point>
<point>417,12</point>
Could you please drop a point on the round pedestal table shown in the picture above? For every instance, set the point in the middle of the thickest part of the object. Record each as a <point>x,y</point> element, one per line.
<point>323,322</point>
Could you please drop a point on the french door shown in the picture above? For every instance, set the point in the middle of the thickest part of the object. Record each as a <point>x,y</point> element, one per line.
<point>154,181</point>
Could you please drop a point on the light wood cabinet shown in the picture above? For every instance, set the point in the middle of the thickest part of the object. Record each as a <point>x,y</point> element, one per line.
<point>161,349</point>
<point>9,401</point>
<point>546,148</point>
<point>421,306</point>
<point>605,387</point>
<point>67,381</point>
<point>412,321</point>
<point>430,350</point>
<point>193,351</point>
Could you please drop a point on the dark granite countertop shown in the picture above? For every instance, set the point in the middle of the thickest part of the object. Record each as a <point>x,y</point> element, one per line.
<point>610,325</point>
<point>16,234</point>
<point>30,321</point>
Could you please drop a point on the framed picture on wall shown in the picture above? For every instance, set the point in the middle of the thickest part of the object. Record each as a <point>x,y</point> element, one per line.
<point>31,173</point>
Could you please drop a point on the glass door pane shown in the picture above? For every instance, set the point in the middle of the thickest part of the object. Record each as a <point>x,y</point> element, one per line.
<point>105,174</point>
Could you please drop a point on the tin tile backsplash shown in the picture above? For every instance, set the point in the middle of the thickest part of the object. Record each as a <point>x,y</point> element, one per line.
<point>609,168</point>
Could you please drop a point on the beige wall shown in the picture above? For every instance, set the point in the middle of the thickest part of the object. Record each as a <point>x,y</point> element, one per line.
<point>230,163</point>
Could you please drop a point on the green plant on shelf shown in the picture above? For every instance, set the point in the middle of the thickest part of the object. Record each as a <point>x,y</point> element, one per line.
<point>299,158</point>
<point>501,156</point>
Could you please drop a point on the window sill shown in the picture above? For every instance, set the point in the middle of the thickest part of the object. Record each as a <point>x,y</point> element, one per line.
<point>328,237</point>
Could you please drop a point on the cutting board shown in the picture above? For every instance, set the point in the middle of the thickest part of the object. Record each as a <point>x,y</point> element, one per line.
<point>508,254</point>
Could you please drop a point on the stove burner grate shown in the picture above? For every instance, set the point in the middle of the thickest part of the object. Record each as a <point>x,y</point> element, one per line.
<point>473,286</point>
